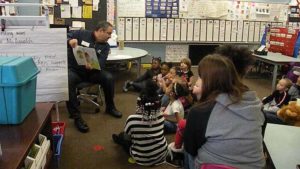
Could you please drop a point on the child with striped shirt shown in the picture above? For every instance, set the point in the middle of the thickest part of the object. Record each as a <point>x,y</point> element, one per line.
<point>143,137</point>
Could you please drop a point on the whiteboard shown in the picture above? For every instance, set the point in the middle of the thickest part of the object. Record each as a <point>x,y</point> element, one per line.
<point>48,48</point>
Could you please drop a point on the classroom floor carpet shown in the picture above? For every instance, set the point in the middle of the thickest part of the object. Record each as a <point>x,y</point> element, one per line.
<point>96,149</point>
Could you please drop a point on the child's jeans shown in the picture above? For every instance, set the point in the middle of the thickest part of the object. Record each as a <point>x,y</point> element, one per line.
<point>273,118</point>
<point>189,162</point>
<point>269,107</point>
<point>125,141</point>
<point>179,133</point>
<point>170,127</point>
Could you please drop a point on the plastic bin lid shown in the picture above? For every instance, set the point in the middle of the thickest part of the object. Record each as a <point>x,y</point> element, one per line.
<point>15,71</point>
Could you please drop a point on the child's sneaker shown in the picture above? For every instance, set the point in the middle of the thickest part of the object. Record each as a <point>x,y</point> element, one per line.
<point>175,157</point>
<point>126,86</point>
<point>131,160</point>
<point>177,163</point>
<point>115,138</point>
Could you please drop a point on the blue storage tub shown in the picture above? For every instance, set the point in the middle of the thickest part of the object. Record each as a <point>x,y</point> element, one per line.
<point>17,88</point>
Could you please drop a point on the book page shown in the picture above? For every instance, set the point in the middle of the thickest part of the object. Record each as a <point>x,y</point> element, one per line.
<point>85,56</point>
<point>91,58</point>
<point>79,55</point>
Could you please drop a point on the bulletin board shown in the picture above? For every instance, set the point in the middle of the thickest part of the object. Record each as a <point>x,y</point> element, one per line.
<point>229,21</point>
<point>192,30</point>
<point>90,24</point>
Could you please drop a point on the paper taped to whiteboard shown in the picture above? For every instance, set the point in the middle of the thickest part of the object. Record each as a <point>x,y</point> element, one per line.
<point>49,54</point>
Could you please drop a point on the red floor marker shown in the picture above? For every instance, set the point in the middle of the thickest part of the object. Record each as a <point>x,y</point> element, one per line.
<point>98,148</point>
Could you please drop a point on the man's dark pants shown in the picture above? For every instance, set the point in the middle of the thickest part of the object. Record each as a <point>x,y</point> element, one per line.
<point>104,78</point>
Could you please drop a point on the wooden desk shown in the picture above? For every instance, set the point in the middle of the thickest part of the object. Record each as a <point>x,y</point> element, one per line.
<point>127,54</point>
<point>283,145</point>
<point>16,140</point>
<point>275,59</point>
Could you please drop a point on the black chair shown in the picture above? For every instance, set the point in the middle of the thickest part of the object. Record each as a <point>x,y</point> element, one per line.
<point>85,93</point>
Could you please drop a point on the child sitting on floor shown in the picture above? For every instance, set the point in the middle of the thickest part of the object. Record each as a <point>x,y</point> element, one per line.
<point>143,137</point>
<point>175,157</point>
<point>171,77</point>
<point>276,100</point>
<point>279,97</point>
<point>139,83</point>
<point>164,71</point>
<point>185,71</point>
<point>174,112</point>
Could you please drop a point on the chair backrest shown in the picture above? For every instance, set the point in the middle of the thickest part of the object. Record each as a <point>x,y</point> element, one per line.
<point>215,166</point>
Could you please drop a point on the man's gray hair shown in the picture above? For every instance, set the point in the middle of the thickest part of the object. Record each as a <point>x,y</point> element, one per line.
<point>103,25</point>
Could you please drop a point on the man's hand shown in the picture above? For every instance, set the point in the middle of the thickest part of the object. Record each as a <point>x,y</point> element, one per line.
<point>88,66</point>
<point>73,43</point>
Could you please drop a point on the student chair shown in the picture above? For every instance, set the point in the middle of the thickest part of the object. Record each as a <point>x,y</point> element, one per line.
<point>85,93</point>
<point>215,166</point>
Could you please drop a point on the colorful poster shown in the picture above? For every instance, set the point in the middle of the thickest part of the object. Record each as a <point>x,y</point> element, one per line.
<point>162,8</point>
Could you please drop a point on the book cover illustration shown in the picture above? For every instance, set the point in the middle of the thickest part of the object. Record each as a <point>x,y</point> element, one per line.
<point>86,56</point>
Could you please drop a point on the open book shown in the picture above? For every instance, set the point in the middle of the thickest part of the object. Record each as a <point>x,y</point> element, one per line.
<point>86,56</point>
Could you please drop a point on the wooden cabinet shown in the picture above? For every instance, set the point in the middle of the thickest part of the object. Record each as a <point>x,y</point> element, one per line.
<point>16,140</point>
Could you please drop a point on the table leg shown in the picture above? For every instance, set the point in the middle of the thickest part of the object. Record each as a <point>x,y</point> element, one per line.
<point>274,77</point>
<point>57,111</point>
<point>139,67</point>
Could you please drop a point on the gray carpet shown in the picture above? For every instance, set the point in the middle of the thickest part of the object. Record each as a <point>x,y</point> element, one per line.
<point>81,151</point>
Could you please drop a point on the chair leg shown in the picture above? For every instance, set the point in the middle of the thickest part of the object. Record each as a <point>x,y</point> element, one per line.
<point>86,97</point>
<point>100,101</point>
<point>93,97</point>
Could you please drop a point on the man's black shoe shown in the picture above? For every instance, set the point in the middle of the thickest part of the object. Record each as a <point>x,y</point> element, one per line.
<point>81,125</point>
<point>114,112</point>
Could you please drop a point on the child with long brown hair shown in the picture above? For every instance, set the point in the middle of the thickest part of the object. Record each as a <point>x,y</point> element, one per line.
<point>228,116</point>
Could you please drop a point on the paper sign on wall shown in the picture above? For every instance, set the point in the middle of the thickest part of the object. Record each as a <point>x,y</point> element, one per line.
<point>174,53</point>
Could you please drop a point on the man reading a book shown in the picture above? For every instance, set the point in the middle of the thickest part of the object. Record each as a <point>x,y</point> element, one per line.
<point>97,40</point>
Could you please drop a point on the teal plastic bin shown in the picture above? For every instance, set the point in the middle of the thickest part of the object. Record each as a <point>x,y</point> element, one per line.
<point>17,88</point>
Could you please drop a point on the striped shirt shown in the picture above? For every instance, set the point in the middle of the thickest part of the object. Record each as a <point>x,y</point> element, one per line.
<point>149,145</point>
